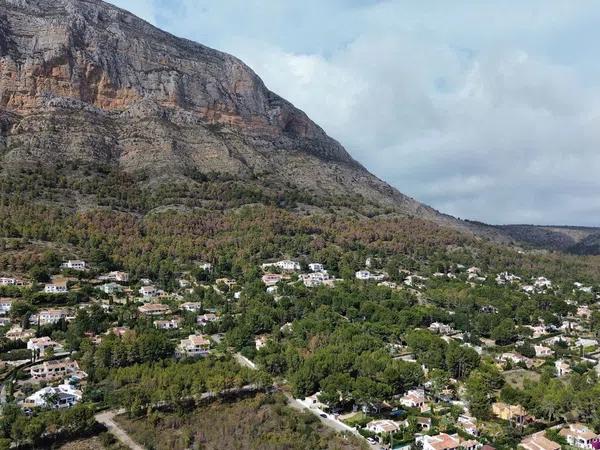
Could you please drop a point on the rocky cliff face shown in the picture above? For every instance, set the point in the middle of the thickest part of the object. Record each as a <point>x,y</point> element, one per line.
<point>81,80</point>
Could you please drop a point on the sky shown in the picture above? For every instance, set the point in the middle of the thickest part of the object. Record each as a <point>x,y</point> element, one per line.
<point>486,110</point>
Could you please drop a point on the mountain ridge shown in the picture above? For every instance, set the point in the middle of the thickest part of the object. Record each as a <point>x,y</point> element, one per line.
<point>87,83</point>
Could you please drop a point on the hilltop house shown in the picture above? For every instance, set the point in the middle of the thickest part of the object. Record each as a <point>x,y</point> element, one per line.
<point>191,306</point>
<point>383,426</point>
<point>56,287</point>
<point>54,369</point>
<point>73,264</point>
<point>38,346</point>
<point>171,324</point>
<point>286,265</point>
<point>122,277</point>
<point>61,396</point>
<point>580,436</point>
<point>148,291</point>
<point>316,267</point>
<point>195,345</point>
<point>5,305</point>
<point>49,316</point>
<point>415,398</point>
<point>111,288</point>
<point>542,351</point>
<point>562,368</point>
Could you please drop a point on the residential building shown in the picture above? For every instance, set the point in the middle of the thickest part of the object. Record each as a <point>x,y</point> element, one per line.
<point>415,398</point>
<point>206,319</point>
<point>154,309</point>
<point>148,291</point>
<point>586,342</point>
<point>195,345</point>
<point>363,275</point>
<point>468,424</point>
<point>580,436</point>
<point>383,426</point>
<point>542,351</point>
<point>440,441</point>
<point>62,396</point>
<point>512,413</point>
<point>54,369</point>
<point>191,306</point>
<point>538,441</point>
<point>4,281</point>
<point>73,264</point>
<point>207,267</point>
<point>122,277</point>
<point>16,333</point>
<point>316,267</point>
<point>56,287</point>
<point>516,358</point>
<point>286,265</point>
<point>49,316</point>
<point>111,288</point>
<point>562,368</point>
<point>260,342</point>
<point>271,279</point>
<point>171,324</point>
<point>38,346</point>
<point>314,279</point>
<point>440,328</point>
<point>5,305</point>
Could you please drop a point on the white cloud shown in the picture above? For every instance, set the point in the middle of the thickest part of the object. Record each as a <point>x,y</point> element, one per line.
<point>483,111</point>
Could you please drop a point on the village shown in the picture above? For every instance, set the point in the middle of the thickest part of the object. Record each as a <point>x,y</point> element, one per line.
<point>41,370</point>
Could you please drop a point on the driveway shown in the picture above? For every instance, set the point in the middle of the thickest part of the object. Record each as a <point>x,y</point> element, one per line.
<point>106,418</point>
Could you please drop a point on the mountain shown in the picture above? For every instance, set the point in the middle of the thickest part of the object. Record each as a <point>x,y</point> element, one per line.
<point>577,240</point>
<point>100,108</point>
<point>83,81</point>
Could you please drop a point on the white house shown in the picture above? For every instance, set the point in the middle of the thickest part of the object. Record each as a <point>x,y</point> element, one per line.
<point>206,319</point>
<point>562,368</point>
<point>171,324</point>
<point>5,281</point>
<point>314,279</point>
<point>207,267</point>
<point>316,267</point>
<point>383,426</point>
<point>542,351</point>
<point>122,277</point>
<point>195,345</point>
<point>54,369</point>
<point>111,288</point>
<point>148,291</point>
<point>154,309</point>
<point>579,435</point>
<point>73,264</point>
<point>415,398</point>
<point>363,275</point>
<point>286,264</point>
<point>586,342</point>
<point>542,283</point>
<point>61,396</point>
<point>191,306</point>
<point>49,316</point>
<point>5,305</point>
<point>38,346</point>
<point>56,287</point>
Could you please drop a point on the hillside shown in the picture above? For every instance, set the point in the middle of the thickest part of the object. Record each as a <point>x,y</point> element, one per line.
<point>86,85</point>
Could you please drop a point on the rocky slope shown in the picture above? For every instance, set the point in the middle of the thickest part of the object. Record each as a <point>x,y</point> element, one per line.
<point>83,80</point>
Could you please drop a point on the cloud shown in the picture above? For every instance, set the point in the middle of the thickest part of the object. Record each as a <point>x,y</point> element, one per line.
<point>482,111</point>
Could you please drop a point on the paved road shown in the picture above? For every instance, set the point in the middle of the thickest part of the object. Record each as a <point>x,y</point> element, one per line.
<point>106,418</point>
